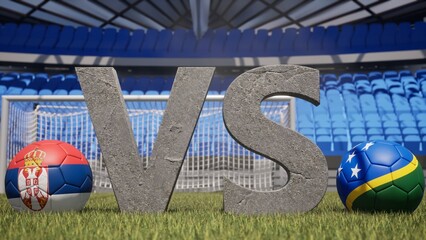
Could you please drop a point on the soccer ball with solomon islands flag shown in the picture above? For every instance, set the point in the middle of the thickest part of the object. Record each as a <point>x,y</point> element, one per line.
<point>380,176</point>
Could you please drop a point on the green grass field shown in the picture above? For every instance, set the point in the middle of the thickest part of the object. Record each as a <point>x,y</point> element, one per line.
<point>200,216</point>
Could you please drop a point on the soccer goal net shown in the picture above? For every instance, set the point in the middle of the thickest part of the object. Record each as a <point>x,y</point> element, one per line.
<point>211,156</point>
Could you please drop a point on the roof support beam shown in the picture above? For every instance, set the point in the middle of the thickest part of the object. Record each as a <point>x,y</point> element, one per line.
<point>200,10</point>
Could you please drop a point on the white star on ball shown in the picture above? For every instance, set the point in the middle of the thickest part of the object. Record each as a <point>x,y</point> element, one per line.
<point>339,170</point>
<point>367,146</point>
<point>352,155</point>
<point>355,171</point>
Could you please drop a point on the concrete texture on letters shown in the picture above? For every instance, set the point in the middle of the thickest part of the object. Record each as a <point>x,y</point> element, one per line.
<point>137,189</point>
<point>304,162</point>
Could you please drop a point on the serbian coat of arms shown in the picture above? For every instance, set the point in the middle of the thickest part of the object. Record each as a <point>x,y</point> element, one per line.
<point>33,181</point>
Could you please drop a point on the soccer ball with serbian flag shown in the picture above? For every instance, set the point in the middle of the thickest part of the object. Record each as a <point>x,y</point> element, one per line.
<point>380,176</point>
<point>48,176</point>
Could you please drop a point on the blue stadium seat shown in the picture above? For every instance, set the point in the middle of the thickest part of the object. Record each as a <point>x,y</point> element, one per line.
<point>203,45</point>
<point>232,41</point>
<point>324,142</point>
<point>50,38</point>
<point>379,86</point>
<point>375,75</point>
<point>26,77</point>
<point>177,41</point>
<point>413,143</point>
<point>188,49</point>
<point>315,42</point>
<point>80,38</point>
<point>329,43</point>
<point>34,86</point>
<point>388,38</point>
<point>164,39</point>
<point>121,42</point>
<point>301,40</point>
<point>259,43</point>
<point>246,42</point>
<point>167,86</point>
<point>148,45</point>
<point>403,41</point>
<point>384,103</point>
<point>395,138</point>
<point>51,85</point>
<point>65,38</point>
<point>36,37</point>
<point>287,41</point>
<point>358,40</point>
<point>135,43</point>
<point>340,145</point>
<point>405,73</point>
<point>7,34</point>
<point>21,36</point>
<point>418,104</point>
<point>394,86</point>
<point>368,103</point>
<point>274,41</point>
<point>363,87</point>
<point>358,139</point>
<point>373,41</point>
<point>107,42</point>
<point>218,42</point>
<point>400,103</point>
<point>344,39</point>
<point>93,40</point>
<point>418,37</point>
<point>421,73</point>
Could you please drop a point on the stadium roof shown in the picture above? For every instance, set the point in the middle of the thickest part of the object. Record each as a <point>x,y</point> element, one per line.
<point>242,14</point>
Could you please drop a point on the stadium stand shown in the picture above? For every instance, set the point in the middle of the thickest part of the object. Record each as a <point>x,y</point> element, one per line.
<point>355,107</point>
<point>95,41</point>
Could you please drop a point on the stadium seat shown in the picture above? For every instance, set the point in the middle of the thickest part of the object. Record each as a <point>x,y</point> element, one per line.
<point>358,139</point>
<point>231,43</point>
<point>359,37</point>
<point>273,42</point>
<point>403,41</point>
<point>315,41</point>
<point>203,44</point>
<point>259,43</point>
<point>121,42</point>
<point>218,42</point>
<point>418,37</point>
<point>50,38</point>
<point>188,49</point>
<point>177,41</point>
<point>287,41</point>
<point>244,48</point>
<point>344,39</point>
<point>93,40</point>
<point>147,47</point>
<point>7,34</point>
<point>301,40</point>
<point>35,38</point>
<point>389,35</point>
<point>135,43</point>
<point>80,38</point>
<point>65,38</point>
<point>329,43</point>
<point>413,143</point>
<point>373,41</point>
<point>108,39</point>
<point>164,39</point>
<point>20,38</point>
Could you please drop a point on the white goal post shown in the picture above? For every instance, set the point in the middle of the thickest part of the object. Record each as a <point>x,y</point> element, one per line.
<point>212,153</point>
